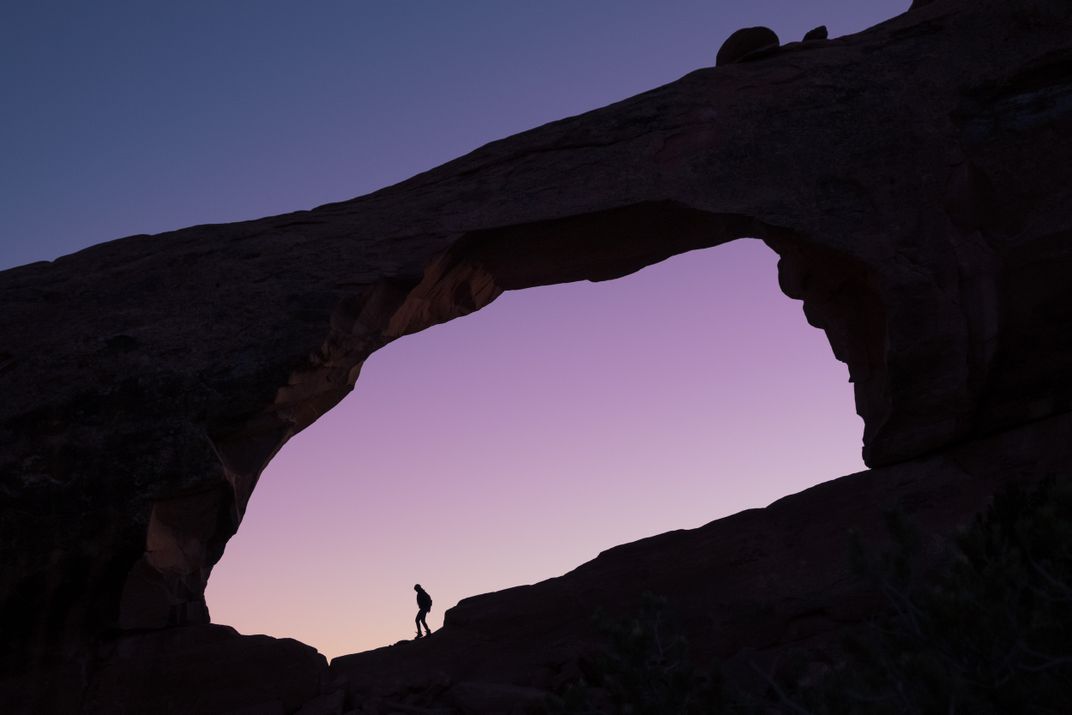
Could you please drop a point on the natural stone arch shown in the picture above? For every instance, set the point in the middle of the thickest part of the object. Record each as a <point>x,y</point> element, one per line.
<point>148,380</point>
<point>186,534</point>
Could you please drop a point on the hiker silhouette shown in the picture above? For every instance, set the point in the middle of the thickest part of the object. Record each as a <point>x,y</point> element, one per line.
<point>424,604</point>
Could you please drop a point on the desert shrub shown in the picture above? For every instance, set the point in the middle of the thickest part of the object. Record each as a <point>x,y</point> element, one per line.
<point>987,631</point>
<point>980,625</point>
<point>645,670</point>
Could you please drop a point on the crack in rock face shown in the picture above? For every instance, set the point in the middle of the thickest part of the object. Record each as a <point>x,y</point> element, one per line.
<point>914,180</point>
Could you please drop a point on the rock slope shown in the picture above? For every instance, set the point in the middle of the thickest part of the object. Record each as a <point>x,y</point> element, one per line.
<point>745,588</point>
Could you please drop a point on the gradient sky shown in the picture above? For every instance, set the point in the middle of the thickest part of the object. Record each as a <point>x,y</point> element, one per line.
<point>502,448</point>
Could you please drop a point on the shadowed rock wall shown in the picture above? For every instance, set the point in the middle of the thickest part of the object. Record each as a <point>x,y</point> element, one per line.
<point>914,179</point>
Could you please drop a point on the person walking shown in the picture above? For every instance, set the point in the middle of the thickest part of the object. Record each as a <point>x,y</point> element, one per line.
<point>424,604</point>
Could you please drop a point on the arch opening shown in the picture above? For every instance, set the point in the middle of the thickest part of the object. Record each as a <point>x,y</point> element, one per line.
<point>166,586</point>
<point>504,355</point>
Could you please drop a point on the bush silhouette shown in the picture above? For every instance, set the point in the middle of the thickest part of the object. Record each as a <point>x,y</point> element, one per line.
<point>988,631</point>
<point>645,670</point>
<point>986,628</point>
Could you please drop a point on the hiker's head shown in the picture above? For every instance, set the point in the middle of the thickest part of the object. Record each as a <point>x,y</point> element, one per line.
<point>417,587</point>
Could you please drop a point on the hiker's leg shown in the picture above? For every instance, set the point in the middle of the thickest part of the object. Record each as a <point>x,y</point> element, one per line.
<point>417,620</point>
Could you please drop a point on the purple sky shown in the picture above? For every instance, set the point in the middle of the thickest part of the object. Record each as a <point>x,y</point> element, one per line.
<point>499,449</point>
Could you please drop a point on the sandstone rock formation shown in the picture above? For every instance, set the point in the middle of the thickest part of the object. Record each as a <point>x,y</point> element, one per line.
<point>913,178</point>
<point>204,669</point>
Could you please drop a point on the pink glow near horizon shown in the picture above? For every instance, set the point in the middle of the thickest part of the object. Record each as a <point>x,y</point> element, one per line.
<point>514,444</point>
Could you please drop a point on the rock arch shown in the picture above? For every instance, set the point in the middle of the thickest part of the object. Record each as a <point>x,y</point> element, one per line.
<point>914,184</point>
<point>186,534</point>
